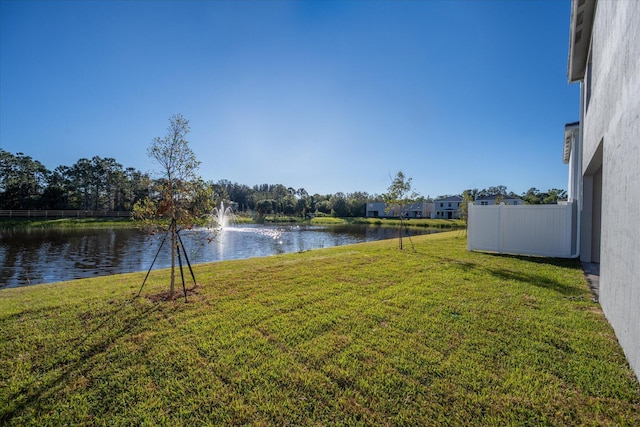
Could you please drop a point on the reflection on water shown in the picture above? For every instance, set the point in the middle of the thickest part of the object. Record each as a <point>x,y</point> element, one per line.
<point>29,257</point>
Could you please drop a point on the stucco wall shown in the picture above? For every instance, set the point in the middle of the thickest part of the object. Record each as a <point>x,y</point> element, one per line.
<point>613,120</point>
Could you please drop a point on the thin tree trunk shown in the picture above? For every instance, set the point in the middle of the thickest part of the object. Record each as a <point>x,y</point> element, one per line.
<point>173,258</point>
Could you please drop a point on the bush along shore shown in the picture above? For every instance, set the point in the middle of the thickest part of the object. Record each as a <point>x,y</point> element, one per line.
<point>365,334</point>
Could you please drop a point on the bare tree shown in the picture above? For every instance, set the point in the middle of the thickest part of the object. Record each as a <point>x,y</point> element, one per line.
<point>399,195</point>
<point>179,196</point>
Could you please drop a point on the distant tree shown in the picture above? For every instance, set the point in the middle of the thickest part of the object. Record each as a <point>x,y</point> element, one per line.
<point>301,207</point>
<point>302,193</point>
<point>55,196</point>
<point>553,195</point>
<point>22,181</point>
<point>264,207</point>
<point>400,194</point>
<point>339,207</point>
<point>136,188</point>
<point>468,196</point>
<point>239,193</point>
<point>531,197</point>
<point>323,206</point>
<point>499,190</point>
<point>288,204</point>
<point>180,195</point>
<point>358,203</point>
<point>80,184</point>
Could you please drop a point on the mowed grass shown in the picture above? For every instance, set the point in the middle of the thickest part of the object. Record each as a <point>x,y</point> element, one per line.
<point>66,223</point>
<point>354,335</point>
<point>392,222</point>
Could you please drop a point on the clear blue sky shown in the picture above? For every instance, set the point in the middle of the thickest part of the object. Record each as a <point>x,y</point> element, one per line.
<point>326,95</point>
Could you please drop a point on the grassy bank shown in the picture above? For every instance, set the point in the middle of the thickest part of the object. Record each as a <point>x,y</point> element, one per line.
<point>67,223</point>
<point>353,335</point>
<point>390,222</point>
<point>240,219</point>
<point>421,222</point>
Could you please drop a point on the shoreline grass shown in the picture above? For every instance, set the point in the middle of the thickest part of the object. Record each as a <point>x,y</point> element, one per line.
<point>414,222</point>
<point>25,223</point>
<point>392,222</point>
<point>364,334</point>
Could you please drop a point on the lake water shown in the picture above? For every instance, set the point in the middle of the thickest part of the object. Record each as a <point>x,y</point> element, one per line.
<point>34,256</point>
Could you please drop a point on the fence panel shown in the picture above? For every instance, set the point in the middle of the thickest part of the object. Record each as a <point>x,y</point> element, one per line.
<point>544,230</point>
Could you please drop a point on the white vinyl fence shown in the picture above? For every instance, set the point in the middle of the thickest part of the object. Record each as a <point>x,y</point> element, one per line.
<point>542,230</point>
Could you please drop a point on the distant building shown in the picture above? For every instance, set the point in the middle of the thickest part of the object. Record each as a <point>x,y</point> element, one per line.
<point>377,210</point>
<point>415,210</point>
<point>447,207</point>
<point>419,210</point>
<point>491,200</point>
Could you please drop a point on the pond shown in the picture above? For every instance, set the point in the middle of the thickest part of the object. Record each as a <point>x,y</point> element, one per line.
<point>35,256</point>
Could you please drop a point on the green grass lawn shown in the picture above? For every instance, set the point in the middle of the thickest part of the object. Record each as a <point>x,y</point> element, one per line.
<point>124,222</point>
<point>354,335</point>
<point>392,222</point>
<point>413,222</point>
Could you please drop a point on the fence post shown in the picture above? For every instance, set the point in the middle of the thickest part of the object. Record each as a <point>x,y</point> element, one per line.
<point>500,229</point>
<point>568,226</point>
<point>469,235</point>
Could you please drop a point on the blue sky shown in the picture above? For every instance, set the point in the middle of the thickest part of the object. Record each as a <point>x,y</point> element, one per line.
<point>330,96</point>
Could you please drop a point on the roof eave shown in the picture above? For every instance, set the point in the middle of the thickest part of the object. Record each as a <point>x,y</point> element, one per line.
<point>582,12</point>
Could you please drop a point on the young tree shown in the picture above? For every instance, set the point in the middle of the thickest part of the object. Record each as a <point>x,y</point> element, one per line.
<point>181,197</point>
<point>468,196</point>
<point>400,194</point>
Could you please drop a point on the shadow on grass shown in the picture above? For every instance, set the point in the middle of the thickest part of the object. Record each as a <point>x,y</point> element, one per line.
<point>126,318</point>
<point>530,274</point>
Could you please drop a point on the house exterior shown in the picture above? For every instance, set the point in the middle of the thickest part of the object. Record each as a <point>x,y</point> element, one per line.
<point>603,153</point>
<point>491,200</point>
<point>415,210</point>
<point>377,210</point>
<point>447,207</point>
<point>420,210</point>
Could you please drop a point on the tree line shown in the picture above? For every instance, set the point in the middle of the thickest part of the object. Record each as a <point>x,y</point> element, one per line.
<point>264,199</point>
<point>533,196</point>
<point>89,184</point>
<point>104,184</point>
